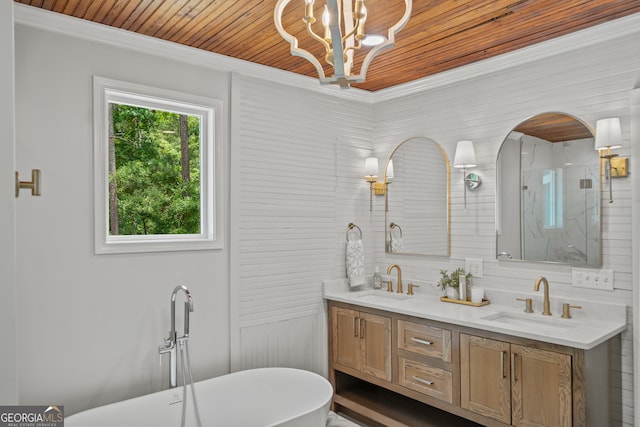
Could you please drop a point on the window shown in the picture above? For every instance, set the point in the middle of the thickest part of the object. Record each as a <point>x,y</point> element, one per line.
<point>553,197</point>
<point>155,154</point>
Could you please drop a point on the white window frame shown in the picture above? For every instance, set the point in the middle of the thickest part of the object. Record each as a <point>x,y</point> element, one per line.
<point>210,111</point>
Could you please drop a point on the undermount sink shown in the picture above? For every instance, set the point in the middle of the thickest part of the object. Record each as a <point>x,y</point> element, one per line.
<point>381,296</point>
<point>530,321</point>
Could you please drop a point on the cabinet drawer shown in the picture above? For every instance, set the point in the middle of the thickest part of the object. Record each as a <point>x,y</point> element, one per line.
<point>426,340</point>
<point>425,379</point>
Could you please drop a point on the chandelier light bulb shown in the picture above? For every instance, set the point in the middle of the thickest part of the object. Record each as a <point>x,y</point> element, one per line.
<point>325,22</point>
<point>308,12</point>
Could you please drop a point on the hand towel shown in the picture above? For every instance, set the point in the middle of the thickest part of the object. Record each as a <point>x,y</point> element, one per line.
<point>355,263</point>
<point>397,245</point>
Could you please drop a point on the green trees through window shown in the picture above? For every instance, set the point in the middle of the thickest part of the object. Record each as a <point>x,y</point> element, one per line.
<point>154,171</point>
<point>157,169</point>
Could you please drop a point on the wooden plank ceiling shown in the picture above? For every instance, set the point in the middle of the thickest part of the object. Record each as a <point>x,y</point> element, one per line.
<point>554,127</point>
<point>441,34</point>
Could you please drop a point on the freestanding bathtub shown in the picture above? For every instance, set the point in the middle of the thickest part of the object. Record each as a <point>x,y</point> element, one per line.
<point>253,398</point>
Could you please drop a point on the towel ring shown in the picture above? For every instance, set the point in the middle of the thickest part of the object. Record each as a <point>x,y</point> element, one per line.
<point>351,227</point>
<point>393,225</point>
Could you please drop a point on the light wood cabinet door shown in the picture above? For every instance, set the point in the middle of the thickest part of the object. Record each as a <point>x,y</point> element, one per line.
<point>541,388</point>
<point>518,385</point>
<point>375,335</point>
<point>362,341</point>
<point>485,377</point>
<point>346,337</point>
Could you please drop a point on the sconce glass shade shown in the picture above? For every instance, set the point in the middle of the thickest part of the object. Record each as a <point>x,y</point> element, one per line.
<point>465,156</point>
<point>389,173</point>
<point>608,133</point>
<point>371,167</point>
<point>608,136</point>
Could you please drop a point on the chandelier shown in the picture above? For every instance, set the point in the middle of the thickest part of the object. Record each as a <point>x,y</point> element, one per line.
<point>343,25</point>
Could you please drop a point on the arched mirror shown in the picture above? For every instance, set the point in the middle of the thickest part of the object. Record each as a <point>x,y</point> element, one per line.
<point>548,192</point>
<point>417,199</point>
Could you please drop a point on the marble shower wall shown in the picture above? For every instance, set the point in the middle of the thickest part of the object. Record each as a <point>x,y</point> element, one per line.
<point>560,201</point>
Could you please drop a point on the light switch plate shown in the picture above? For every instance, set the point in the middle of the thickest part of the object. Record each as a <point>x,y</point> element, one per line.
<point>473,266</point>
<point>592,278</point>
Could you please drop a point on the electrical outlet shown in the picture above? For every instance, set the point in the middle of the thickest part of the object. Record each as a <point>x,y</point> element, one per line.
<point>473,266</point>
<point>591,278</point>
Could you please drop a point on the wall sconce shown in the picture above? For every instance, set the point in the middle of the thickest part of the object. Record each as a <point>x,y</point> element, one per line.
<point>465,158</point>
<point>370,175</point>
<point>609,136</point>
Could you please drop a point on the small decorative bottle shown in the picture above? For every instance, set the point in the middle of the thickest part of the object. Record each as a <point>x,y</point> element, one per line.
<point>377,279</point>
<point>463,287</point>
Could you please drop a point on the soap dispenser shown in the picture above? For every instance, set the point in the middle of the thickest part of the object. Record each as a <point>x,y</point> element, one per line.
<point>377,279</point>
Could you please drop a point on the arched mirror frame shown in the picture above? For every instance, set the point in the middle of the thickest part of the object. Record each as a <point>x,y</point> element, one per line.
<point>502,256</point>
<point>388,230</point>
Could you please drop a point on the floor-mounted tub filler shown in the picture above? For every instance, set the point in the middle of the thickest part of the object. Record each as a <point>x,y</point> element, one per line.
<point>253,398</point>
<point>263,397</point>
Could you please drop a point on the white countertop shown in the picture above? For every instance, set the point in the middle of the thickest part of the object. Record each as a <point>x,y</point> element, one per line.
<point>582,331</point>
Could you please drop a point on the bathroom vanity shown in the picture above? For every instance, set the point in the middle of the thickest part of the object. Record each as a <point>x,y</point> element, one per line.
<point>398,360</point>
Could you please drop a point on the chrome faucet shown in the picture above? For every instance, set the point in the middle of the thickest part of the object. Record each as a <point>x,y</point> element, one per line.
<point>397,267</point>
<point>170,343</point>
<point>546,309</point>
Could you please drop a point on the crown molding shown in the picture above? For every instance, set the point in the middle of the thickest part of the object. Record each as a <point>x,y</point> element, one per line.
<point>607,31</point>
<point>80,28</point>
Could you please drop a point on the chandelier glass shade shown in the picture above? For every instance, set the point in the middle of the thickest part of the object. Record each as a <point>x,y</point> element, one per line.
<point>343,36</point>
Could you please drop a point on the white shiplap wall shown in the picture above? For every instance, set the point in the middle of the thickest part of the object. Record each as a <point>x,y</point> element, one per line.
<point>299,183</point>
<point>591,82</point>
<point>294,154</point>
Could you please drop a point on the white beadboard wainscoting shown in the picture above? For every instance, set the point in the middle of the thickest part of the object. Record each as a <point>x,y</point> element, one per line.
<point>299,342</point>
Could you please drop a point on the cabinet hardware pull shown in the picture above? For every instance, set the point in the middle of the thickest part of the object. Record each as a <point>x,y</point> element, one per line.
<point>420,380</point>
<point>419,341</point>
<point>513,367</point>
<point>362,327</point>
<point>502,356</point>
<point>356,326</point>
